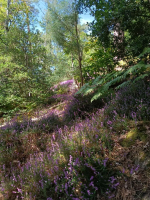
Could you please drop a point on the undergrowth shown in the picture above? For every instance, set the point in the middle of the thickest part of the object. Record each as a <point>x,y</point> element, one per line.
<point>75,155</point>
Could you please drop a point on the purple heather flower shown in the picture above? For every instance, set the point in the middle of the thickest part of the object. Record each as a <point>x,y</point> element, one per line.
<point>91,184</point>
<point>112,179</point>
<point>137,168</point>
<point>111,196</point>
<point>116,185</point>
<point>88,191</point>
<point>66,186</point>
<point>19,190</point>
<point>105,161</point>
<point>91,178</point>
<point>70,160</point>
<point>53,137</point>
<point>131,171</point>
<point>76,161</point>
<point>56,188</point>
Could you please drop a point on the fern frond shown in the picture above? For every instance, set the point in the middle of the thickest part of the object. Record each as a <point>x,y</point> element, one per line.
<point>145,51</point>
<point>147,67</point>
<point>97,95</point>
<point>88,90</point>
<point>123,84</point>
<point>134,69</point>
<point>99,78</point>
<point>140,77</point>
<point>83,88</point>
<point>102,84</point>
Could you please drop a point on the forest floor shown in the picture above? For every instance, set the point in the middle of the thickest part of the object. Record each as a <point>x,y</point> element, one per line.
<point>129,154</point>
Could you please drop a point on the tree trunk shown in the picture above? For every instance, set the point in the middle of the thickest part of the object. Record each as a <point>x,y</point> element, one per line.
<point>7,19</point>
<point>72,62</point>
<point>79,50</point>
<point>80,67</point>
<point>118,41</point>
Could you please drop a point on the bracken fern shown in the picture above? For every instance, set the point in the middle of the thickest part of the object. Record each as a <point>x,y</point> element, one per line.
<point>102,84</point>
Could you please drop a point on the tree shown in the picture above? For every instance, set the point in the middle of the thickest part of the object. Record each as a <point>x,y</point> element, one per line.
<point>23,60</point>
<point>98,60</point>
<point>122,24</point>
<point>64,28</point>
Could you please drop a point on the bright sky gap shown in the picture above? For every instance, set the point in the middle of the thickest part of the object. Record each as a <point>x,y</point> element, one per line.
<point>84,18</point>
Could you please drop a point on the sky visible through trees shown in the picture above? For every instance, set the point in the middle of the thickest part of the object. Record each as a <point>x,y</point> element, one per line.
<point>84,18</point>
<point>74,107</point>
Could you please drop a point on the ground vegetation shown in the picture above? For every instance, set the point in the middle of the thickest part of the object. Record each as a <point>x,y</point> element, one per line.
<point>61,142</point>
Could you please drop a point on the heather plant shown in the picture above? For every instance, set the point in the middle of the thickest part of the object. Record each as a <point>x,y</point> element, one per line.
<point>79,106</point>
<point>69,163</point>
<point>64,87</point>
<point>52,159</point>
<point>130,102</point>
<point>20,139</point>
<point>48,122</point>
<point>84,177</point>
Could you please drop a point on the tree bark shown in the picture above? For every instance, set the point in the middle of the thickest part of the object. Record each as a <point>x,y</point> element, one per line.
<point>79,50</point>
<point>7,19</point>
<point>118,41</point>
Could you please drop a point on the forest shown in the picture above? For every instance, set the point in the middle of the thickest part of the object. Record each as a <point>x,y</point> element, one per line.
<point>74,100</point>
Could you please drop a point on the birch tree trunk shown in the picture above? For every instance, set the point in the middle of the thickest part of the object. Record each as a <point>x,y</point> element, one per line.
<point>79,49</point>
<point>7,19</point>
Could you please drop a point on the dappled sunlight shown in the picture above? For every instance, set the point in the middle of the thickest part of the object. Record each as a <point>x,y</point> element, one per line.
<point>73,151</point>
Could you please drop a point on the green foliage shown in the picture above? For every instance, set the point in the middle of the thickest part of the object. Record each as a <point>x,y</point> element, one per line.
<point>64,30</point>
<point>129,20</point>
<point>24,71</point>
<point>117,79</point>
<point>18,87</point>
<point>61,63</point>
<point>62,89</point>
<point>97,61</point>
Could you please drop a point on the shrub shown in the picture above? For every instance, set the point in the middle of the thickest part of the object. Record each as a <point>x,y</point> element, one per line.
<point>82,178</point>
<point>132,102</point>
<point>79,106</point>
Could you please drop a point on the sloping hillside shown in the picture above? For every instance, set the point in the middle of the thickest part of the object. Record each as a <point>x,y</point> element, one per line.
<point>74,150</point>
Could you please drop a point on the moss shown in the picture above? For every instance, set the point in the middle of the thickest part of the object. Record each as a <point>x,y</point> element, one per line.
<point>142,155</point>
<point>132,136</point>
<point>143,137</point>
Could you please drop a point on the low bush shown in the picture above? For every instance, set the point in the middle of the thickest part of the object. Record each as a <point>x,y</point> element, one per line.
<point>69,163</point>
<point>132,101</point>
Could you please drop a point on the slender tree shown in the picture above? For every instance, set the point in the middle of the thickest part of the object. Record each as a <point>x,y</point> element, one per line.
<point>64,28</point>
<point>127,20</point>
<point>23,60</point>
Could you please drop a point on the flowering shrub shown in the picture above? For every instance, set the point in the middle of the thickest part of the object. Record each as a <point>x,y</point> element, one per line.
<point>67,164</point>
<point>79,106</point>
<point>52,159</point>
<point>84,177</point>
<point>130,102</point>
<point>64,87</point>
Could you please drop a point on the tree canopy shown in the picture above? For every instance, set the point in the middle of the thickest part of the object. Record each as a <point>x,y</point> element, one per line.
<point>31,60</point>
